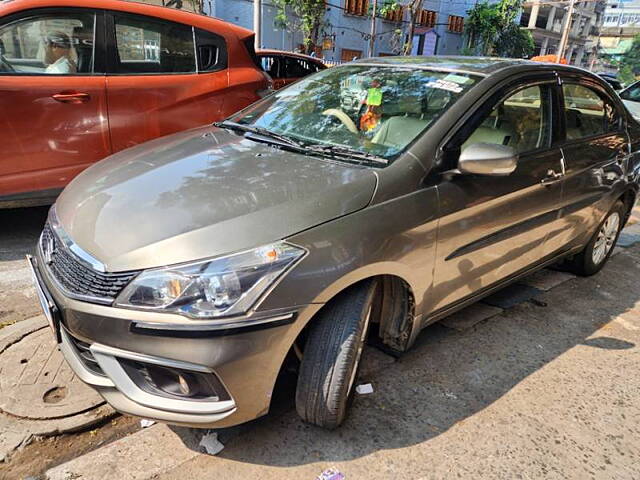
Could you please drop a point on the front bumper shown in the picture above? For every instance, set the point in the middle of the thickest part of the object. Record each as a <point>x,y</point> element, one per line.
<point>98,341</point>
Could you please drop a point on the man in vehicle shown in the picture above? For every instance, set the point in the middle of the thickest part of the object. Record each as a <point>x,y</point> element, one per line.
<point>57,54</point>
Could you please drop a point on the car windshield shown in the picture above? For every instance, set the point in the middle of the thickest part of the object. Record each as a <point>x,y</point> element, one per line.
<point>370,110</point>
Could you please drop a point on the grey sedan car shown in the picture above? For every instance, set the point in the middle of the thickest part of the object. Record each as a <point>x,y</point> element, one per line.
<point>181,275</point>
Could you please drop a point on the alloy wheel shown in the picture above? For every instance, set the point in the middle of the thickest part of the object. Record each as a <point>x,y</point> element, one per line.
<point>606,238</point>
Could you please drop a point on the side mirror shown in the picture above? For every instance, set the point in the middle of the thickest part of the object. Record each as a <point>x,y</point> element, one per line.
<point>488,159</point>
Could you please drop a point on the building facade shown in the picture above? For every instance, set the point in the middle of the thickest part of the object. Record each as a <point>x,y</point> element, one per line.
<point>546,22</point>
<point>621,24</point>
<point>347,27</point>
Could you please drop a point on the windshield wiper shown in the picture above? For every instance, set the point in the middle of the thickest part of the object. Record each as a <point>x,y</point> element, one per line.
<point>347,152</point>
<point>263,132</point>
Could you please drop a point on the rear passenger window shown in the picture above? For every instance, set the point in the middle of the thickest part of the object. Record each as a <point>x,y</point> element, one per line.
<point>145,45</point>
<point>212,51</point>
<point>587,113</point>
<point>298,67</point>
<point>521,121</point>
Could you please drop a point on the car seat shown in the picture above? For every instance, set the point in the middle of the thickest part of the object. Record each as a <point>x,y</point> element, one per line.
<point>83,43</point>
<point>494,129</point>
<point>401,129</point>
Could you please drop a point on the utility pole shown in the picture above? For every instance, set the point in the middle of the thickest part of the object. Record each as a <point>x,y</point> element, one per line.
<point>565,33</point>
<point>257,22</point>
<point>372,40</point>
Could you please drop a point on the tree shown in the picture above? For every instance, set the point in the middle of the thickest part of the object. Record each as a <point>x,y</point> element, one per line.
<point>492,30</point>
<point>630,61</point>
<point>307,17</point>
<point>415,9</point>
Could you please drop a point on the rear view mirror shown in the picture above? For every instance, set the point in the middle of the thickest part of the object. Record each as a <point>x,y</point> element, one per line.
<point>488,159</point>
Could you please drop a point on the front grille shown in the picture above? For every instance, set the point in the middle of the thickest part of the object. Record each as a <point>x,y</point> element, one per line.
<point>75,276</point>
<point>86,355</point>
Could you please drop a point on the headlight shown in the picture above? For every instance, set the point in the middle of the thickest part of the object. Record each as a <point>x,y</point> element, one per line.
<point>223,286</point>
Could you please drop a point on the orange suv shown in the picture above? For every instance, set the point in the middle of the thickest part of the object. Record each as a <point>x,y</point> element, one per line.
<point>81,79</point>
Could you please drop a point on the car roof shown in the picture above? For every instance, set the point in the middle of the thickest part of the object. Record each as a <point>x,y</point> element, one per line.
<point>271,51</point>
<point>482,66</point>
<point>166,13</point>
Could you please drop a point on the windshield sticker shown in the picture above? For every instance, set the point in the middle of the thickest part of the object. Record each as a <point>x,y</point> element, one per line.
<point>444,85</point>
<point>457,79</point>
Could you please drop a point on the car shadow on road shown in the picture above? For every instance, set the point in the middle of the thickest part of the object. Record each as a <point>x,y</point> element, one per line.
<point>20,230</point>
<point>448,376</point>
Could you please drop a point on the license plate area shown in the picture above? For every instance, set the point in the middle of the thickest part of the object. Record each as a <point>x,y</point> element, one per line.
<point>49,307</point>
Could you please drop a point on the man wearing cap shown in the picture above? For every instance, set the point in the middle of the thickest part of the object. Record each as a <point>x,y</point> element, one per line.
<point>58,49</point>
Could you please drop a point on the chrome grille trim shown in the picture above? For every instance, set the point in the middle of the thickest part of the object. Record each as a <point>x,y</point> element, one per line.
<point>74,277</point>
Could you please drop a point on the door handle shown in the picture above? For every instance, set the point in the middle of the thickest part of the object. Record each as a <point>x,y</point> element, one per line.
<point>71,97</point>
<point>552,177</point>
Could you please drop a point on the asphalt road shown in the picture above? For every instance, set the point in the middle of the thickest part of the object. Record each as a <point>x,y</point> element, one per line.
<point>19,230</point>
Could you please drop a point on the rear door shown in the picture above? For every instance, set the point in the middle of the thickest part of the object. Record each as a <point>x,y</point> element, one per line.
<point>162,77</point>
<point>53,109</point>
<point>595,146</point>
<point>492,228</point>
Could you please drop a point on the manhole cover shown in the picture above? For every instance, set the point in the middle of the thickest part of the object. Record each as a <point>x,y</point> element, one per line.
<point>37,383</point>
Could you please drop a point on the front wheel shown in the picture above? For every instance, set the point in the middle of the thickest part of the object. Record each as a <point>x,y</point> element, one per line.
<point>598,250</point>
<point>331,356</point>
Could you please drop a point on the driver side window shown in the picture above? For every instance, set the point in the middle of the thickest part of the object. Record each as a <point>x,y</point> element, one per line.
<point>521,121</point>
<point>48,44</point>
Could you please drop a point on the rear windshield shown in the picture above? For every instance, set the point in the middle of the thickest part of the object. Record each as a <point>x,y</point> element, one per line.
<point>372,109</point>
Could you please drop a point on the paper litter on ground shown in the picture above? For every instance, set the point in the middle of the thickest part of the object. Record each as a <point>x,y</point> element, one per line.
<point>144,423</point>
<point>364,388</point>
<point>211,444</point>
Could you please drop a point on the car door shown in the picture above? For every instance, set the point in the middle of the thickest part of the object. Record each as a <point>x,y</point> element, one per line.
<point>156,82</point>
<point>53,108</point>
<point>631,98</point>
<point>494,227</point>
<point>594,148</point>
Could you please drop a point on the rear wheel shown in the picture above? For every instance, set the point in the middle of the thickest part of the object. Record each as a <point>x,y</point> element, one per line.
<point>331,356</point>
<point>598,250</point>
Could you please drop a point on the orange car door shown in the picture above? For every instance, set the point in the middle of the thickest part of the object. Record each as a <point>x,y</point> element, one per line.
<point>53,111</point>
<point>156,82</point>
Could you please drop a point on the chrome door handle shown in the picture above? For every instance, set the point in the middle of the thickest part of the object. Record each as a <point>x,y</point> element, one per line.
<point>71,97</point>
<point>551,177</point>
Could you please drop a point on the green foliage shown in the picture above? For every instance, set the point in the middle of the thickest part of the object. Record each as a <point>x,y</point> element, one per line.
<point>308,18</point>
<point>514,42</point>
<point>625,75</point>
<point>384,8</point>
<point>492,30</point>
<point>631,60</point>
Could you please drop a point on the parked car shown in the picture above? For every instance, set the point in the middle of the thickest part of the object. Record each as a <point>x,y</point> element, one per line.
<point>631,98</point>
<point>612,80</point>
<point>181,275</point>
<point>81,79</point>
<point>287,67</point>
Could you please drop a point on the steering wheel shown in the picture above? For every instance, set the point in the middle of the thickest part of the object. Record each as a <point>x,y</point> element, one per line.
<point>343,117</point>
<point>5,66</point>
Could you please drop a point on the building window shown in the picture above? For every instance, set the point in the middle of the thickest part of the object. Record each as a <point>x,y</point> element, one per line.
<point>395,15</point>
<point>456,24</point>
<point>427,18</point>
<point>347,54</point>
<point>357,7</point>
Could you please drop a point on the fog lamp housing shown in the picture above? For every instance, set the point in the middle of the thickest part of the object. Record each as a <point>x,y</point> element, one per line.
<point>174,382</point>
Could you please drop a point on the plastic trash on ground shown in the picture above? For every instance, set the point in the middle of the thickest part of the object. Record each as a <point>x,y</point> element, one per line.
<point>211,444</point>
<point>364,389</point>
<point>144,423</point>
<point>331,474</point>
